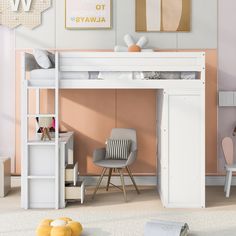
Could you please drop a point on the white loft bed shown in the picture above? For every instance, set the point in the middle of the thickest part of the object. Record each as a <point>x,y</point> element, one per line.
<point>180,115</point>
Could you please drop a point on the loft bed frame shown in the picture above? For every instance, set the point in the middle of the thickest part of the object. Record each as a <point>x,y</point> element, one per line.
<point>180,119</point>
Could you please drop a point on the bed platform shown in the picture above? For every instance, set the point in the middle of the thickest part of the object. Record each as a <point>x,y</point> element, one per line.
<point>180,113</point>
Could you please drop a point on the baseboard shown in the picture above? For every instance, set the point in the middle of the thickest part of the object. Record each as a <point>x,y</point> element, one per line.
<point>140,180</point>
<point>218,181</point>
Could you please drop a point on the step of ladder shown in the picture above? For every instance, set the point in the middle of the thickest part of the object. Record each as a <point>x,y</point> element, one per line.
<point>38,143</point>
<point>40,115</point>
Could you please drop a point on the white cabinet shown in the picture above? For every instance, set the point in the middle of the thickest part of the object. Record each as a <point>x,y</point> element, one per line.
<point>5,176</point>
<point>181,152</point>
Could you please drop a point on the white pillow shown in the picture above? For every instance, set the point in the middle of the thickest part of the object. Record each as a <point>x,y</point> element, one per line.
<point>42,58</point>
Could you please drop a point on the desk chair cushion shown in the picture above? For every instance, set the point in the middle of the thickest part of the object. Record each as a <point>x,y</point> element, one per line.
<point>118,149</point>
<point>112,163</point>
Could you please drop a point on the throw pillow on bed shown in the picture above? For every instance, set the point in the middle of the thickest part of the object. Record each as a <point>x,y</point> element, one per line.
<point>118,149</point>
<point>51,57</point>
<point>42,58</point>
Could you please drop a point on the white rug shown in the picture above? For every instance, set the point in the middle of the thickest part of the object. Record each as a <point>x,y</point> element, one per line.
<point>108,215</point>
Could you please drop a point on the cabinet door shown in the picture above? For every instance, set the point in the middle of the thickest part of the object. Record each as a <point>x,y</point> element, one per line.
<point>185,150</point>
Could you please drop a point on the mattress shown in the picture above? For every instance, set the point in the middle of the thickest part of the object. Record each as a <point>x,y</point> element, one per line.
<point>46,77</point>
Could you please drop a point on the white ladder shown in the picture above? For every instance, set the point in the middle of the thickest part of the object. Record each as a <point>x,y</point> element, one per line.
<point>26,144</point>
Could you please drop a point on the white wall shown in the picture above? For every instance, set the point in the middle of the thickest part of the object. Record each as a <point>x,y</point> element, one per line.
<point>227,70</point>
<point>52,33</point>
<point>7,94</point>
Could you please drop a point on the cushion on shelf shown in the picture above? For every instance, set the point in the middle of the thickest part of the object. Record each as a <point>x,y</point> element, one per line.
<point>118,149</point>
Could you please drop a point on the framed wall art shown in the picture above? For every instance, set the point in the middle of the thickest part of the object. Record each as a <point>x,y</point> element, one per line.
<point>163,15</point>
<point>88,14</point>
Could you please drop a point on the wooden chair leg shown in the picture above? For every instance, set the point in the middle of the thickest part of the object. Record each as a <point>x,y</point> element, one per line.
<point>109,178</point>
<point>226,180</point>
<point>43,134</point>
<point>99,182</point>
<point>123,183</point>
<point>229,184</point>
<point>48,134</point>
<point>132,179</point>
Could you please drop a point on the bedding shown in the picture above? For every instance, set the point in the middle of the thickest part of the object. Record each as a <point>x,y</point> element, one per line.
<point>115,75</point>
<point>170,75</point>
<point>189,75</point>
<point>155,75</point>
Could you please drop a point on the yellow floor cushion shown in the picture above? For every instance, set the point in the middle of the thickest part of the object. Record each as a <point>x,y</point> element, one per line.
<point>60,227</point>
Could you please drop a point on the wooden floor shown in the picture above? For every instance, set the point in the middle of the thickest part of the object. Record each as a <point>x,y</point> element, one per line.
<point>215,198</point>
<point>109,215</point>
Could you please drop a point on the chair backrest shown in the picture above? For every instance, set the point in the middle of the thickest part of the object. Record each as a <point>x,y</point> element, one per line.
<point>122,133</point>
<point>228,150</point>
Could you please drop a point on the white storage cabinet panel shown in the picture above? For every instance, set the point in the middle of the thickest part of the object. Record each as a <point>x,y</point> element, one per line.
<point>181,148</point>
<point>162,141</point>
<point>39,155</point>
<point>66,157</point>
<point>185,150</point>
<point>41,193</point>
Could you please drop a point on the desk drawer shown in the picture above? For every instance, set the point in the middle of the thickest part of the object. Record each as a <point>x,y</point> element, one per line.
<point>71,173</point>
<point>75,192</point>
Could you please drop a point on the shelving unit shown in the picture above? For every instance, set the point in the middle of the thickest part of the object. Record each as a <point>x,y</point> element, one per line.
<point>40,186</point>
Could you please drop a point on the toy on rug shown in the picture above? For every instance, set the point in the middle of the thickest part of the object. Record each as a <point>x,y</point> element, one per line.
<point>60,227</point>
<point>132,46</point>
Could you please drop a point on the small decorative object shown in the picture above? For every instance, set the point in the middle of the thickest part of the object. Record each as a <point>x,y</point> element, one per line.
<point>132,46</point>
<point>88,14</point>
<point>22,12</point>
<point>163,15</point>
<point>63,226</point>
<point>45,124</point>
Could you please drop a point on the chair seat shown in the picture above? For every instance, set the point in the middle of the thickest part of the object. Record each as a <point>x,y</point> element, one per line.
<point>111,163</point>
<point>231,167</point>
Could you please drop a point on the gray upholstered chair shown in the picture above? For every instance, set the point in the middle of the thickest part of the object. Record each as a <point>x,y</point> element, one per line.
<point>111,164</point>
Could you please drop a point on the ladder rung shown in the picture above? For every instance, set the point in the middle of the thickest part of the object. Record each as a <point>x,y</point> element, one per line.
<point>40,87</point>
<point>40,177</point>
<point>40,115</point>
<point>41,143</point>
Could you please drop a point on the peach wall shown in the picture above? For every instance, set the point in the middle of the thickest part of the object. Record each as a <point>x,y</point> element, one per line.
<point>92,114</point>
<point>96,112</point>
